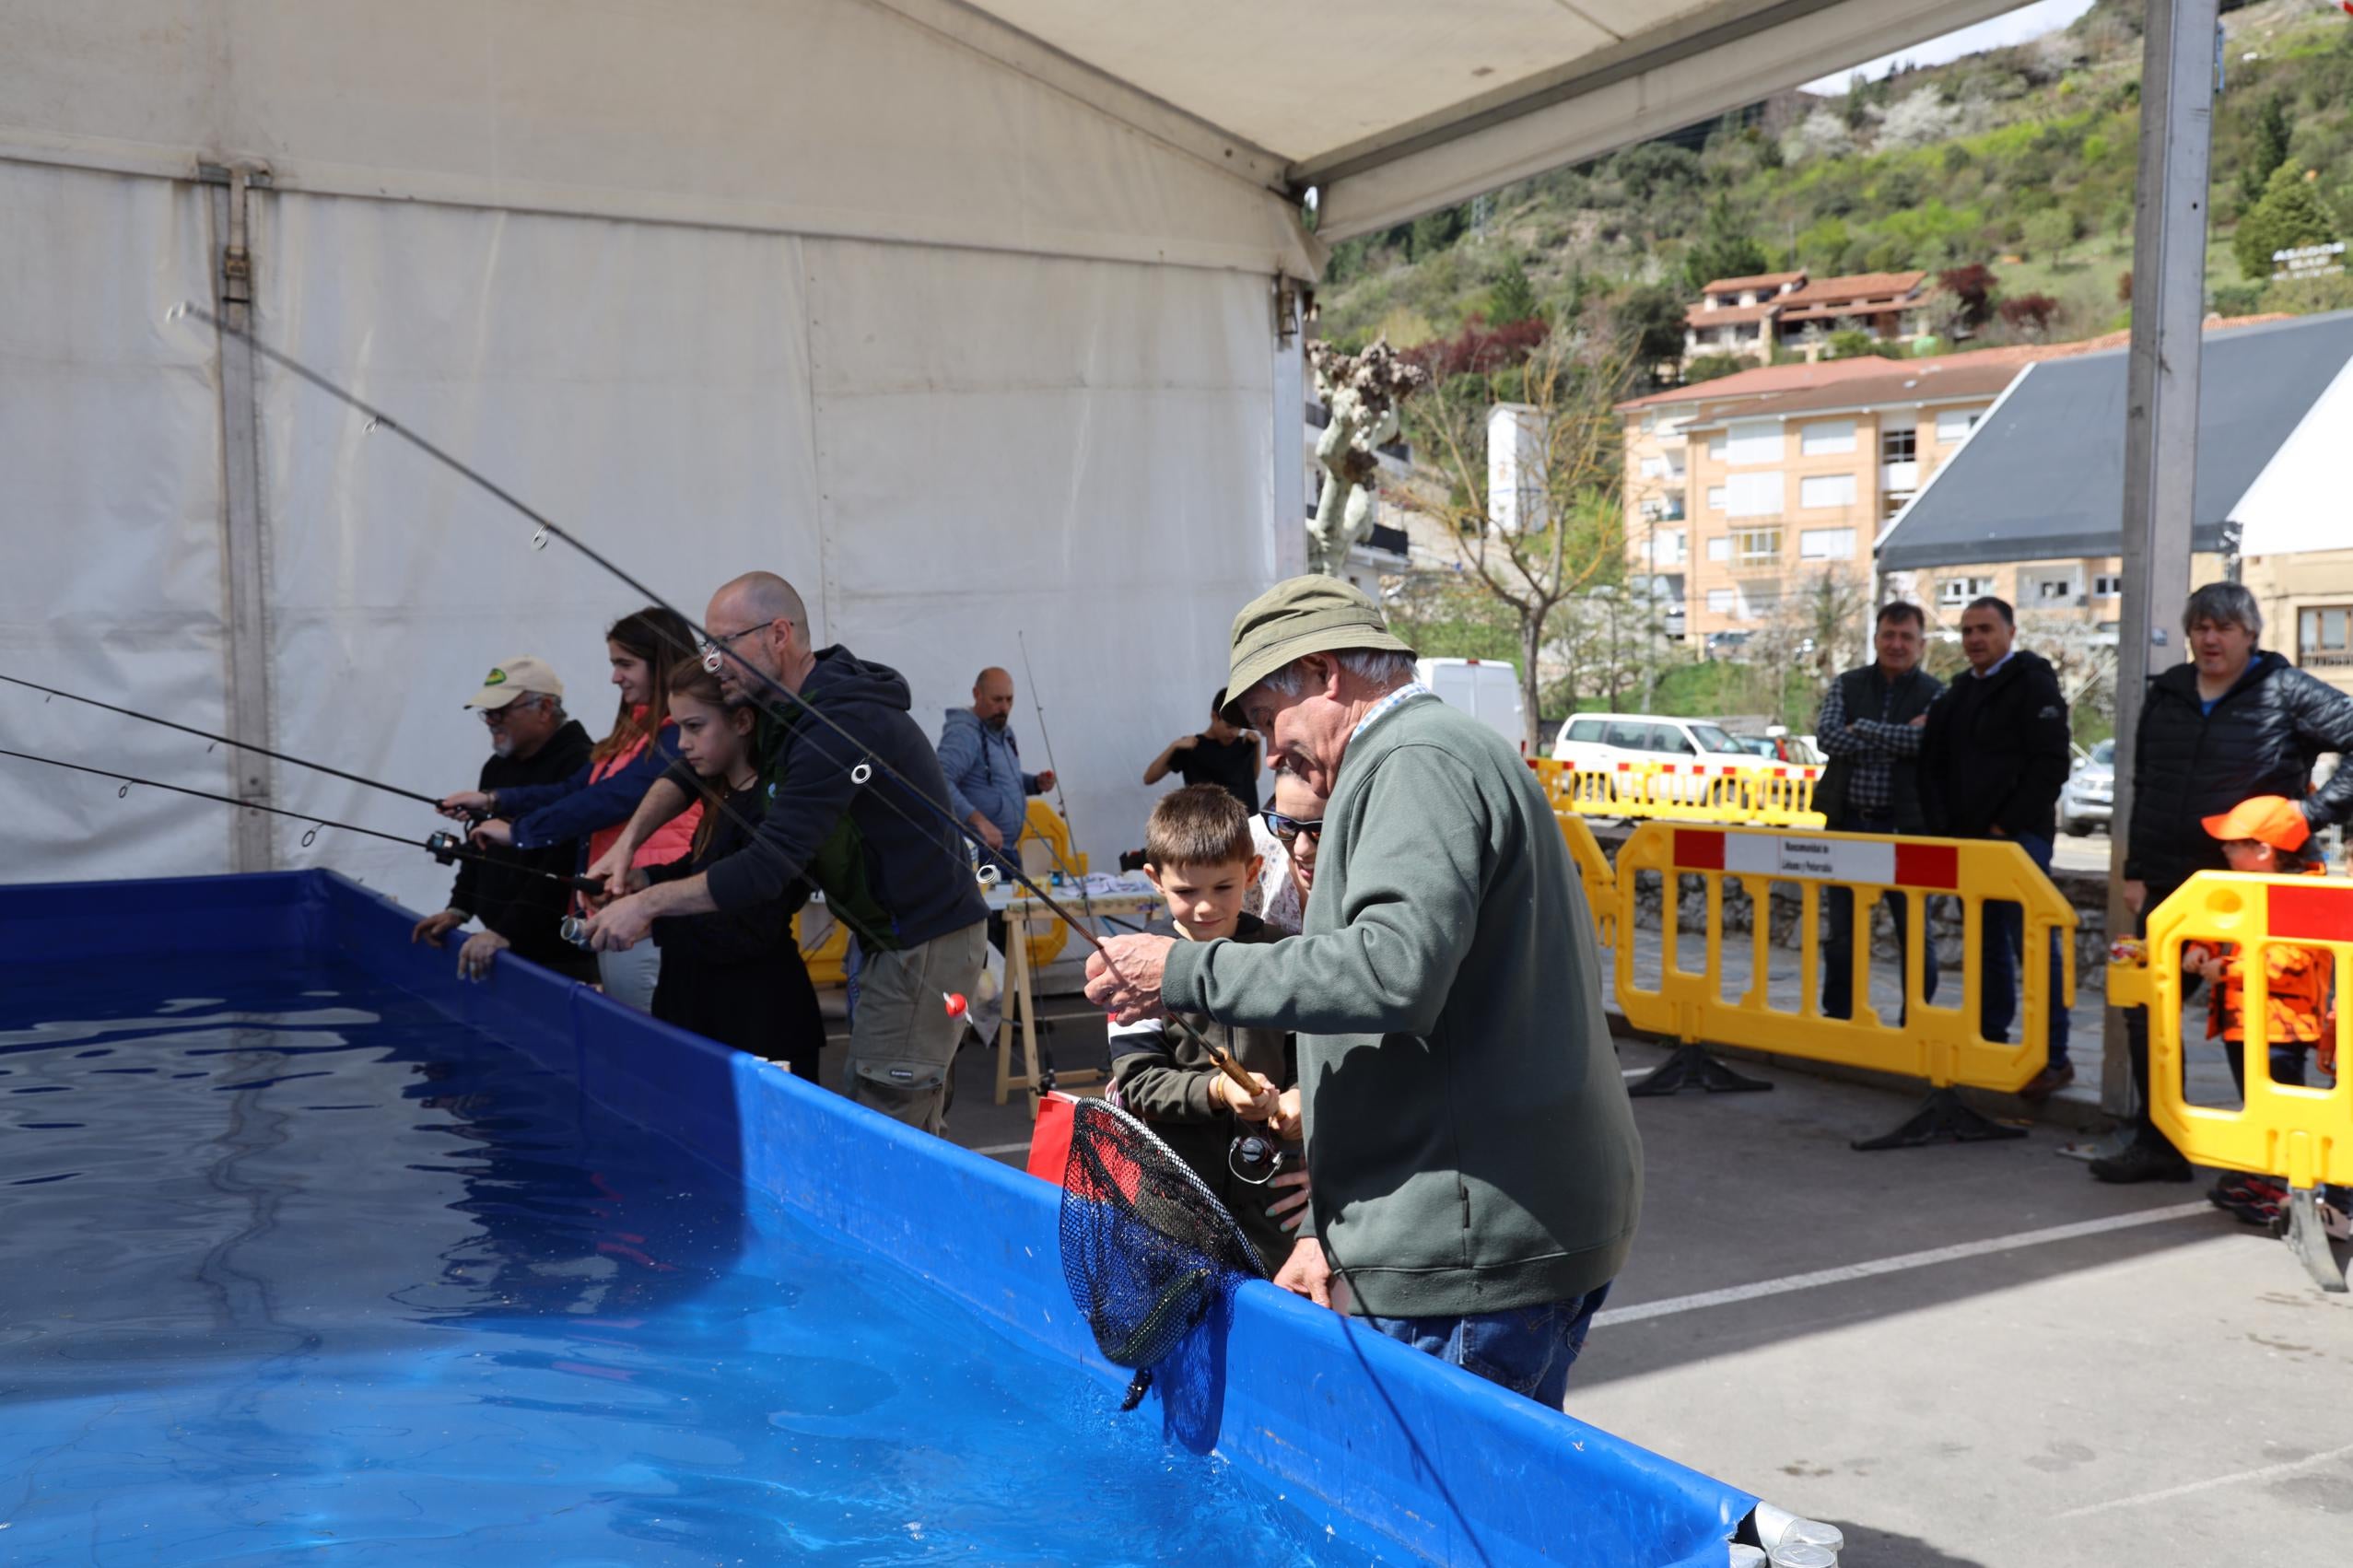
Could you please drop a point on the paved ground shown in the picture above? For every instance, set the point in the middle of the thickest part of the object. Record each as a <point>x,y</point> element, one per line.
<point>2088,853</point>
<point>2153,1383</point>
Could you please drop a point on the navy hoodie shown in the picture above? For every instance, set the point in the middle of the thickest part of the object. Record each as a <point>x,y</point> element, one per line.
<point>891,868</point>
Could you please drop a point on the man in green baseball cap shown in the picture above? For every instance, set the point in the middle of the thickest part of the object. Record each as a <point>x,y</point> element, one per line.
<point>1475,1173</point>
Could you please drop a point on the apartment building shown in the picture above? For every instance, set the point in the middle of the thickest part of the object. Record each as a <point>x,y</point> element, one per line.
<point>1740,491</point>
<point>1750,317</point>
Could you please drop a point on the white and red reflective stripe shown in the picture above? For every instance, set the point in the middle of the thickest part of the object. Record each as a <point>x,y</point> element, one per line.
<point>1882,862</point>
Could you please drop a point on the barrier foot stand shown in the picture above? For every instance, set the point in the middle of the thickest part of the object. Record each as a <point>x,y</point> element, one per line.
<point>1944,1117</point>
<point>2308,1239</point>
<point>1693,1068</point>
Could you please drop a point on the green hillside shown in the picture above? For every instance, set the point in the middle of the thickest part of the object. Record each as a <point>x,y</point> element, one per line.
<point>2019,159</point>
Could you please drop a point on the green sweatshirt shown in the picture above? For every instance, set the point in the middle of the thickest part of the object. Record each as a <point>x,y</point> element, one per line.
<point>1469,1142</point>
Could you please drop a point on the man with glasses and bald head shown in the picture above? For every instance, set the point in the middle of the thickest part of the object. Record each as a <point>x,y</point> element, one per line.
<point>834,738</point>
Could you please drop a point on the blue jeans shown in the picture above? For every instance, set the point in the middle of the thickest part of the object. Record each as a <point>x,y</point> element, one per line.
<point>1528,1350</point>
<point>2005,944</point>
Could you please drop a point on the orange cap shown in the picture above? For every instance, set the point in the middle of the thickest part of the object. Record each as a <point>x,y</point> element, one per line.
<point>2268,819</point>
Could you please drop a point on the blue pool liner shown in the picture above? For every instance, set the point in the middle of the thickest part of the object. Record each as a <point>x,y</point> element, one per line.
<point>1355,1430</point>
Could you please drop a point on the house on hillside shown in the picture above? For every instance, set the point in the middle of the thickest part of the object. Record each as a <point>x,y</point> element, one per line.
<point>1740,491</point>
<point>2032,509</point>
<point>1750,318</point>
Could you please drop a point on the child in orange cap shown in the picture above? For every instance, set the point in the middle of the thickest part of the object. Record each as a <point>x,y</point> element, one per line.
<point>2266,836</point>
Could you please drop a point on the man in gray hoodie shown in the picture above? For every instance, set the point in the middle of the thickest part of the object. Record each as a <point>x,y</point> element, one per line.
<point>1475,1172</point>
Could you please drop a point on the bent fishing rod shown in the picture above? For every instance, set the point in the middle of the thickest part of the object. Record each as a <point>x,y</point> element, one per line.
<point>1061,801</point>
<point>446,847</point>
<point>861,772</point>
<point>228,741</point>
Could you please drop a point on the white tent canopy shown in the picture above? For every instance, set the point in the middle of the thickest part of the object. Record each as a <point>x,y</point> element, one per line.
<point>962,317</point>
<point>2298,501</point>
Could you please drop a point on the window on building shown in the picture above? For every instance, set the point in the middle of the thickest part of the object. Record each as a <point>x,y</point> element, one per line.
<point>1826,490</point>
<point>1891,504</point>
<point>1899,446</point>
<point>2325,634</point>
<point>1756,546</point>
<point>1723,602</point>
<point>1955,590</point>
<point>1753,440</point>
<point>1953,424</point>
<point>1827,438</point>
<point>1716,498</point>
<point>1668,544</point>
<point>1753,495</point>
<point>1719,549</point>
<point>1826,545</point>
<point>2108,585</point>
<point>2054,591</point>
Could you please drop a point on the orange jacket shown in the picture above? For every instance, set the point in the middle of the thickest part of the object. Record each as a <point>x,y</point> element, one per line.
<point>2297,981</point>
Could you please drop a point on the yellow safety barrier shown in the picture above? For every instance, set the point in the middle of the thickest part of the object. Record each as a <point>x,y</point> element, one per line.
<point>1945,1045</point>
<point>1593,873</point>
<point>2303,1136</point>
<point>1764,794</point>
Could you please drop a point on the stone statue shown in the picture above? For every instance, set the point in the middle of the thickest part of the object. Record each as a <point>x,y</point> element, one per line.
<point>1362,391</point>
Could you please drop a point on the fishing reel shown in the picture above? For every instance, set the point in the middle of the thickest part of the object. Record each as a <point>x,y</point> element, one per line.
<point>1254,1158</point>
<point>446,847</point>
<point>574,930</point>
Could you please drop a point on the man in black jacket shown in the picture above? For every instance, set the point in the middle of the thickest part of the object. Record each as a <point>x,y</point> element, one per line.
<point>891,867</point>
<point>532,741</point>
<point>2235,722</point>
<point>1870,728</point>
<point>1992,762</point>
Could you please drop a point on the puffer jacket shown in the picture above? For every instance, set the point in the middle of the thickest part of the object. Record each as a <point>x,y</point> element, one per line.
<point>2262,738</point>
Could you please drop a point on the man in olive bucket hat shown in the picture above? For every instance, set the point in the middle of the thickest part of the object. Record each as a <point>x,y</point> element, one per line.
<point>1474,1167</point>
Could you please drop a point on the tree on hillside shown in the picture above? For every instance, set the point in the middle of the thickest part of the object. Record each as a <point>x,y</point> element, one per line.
<point>1917,119</point>
<point>1651,318</point>
<point>2289,214</point>
<point>1971,287</point>
<point>2028,312</point>
<point>1434,231</point>
<point>1724,249</point>
<point>1822,133</point>
<point>1651,169</point>
<point>1513,299</point>
<point>2270,148</point>
<point>1567,388</point>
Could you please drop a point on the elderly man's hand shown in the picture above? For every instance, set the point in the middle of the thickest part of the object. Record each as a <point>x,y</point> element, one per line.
<point>1124,978</point>
<point>1307,1272</point>
<point>481,950</point>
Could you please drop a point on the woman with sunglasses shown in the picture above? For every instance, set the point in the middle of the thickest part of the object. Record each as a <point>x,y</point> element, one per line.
<point>1287,834</point>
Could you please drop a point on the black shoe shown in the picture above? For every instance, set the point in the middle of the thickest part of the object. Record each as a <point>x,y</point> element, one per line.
<point>2047,1083</point>
<point>2142,1162</point>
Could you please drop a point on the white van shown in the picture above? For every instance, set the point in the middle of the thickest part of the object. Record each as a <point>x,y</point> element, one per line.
<point>1486,690</point>
<point>1597,742</point>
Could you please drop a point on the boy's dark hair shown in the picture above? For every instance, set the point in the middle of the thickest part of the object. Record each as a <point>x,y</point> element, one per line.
<point>1901,610</point>
<point>1217,703</point>
<point>1201,825</point>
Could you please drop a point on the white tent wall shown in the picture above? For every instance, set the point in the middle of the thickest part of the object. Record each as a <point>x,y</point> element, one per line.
<point>943,448</point>
<point>111,523</point>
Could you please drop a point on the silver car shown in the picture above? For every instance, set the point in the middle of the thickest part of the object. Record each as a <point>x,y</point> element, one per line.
<point>2089,800</point>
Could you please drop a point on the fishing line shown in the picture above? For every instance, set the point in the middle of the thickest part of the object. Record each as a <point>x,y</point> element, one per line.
<point>444,846</point>
<point>226,741</point>
<point>547,528</point>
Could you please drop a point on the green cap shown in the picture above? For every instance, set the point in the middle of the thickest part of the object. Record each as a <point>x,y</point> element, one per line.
<point>1295,617</point>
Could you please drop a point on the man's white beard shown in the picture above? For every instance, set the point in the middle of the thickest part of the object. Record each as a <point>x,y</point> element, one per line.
<point>501,745</point>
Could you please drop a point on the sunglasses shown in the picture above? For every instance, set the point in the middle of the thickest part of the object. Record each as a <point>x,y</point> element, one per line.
<point>1289,828</point>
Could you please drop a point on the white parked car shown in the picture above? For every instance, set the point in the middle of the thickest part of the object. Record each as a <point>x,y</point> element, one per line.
<point>1599,742</point>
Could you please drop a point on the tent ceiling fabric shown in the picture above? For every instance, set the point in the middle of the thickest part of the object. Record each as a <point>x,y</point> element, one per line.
<point>1394,107</point>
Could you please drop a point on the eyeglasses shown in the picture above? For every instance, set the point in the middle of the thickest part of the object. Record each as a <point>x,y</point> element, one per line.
<point>1289,828</point>
<point>709,646</point>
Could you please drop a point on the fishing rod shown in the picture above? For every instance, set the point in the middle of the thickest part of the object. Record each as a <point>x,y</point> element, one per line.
<point>446,847</point>
<point>226,741</point>
<point>860,773</point>
<point>1061,801</point>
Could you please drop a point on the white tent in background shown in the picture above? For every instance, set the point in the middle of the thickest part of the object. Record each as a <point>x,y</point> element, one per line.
<point>969,317</point>
<point>2300,501</point>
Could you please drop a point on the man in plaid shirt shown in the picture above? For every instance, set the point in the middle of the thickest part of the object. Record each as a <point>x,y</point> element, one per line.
<point>1870,728</point>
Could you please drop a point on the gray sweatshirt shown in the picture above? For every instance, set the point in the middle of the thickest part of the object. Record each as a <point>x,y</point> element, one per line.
<point>1469,1142</point>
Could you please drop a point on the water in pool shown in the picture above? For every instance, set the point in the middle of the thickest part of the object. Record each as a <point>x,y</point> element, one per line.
<point>298,1269</point>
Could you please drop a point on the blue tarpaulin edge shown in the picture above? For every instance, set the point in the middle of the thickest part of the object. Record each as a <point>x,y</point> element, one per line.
<point>1344,1424</point>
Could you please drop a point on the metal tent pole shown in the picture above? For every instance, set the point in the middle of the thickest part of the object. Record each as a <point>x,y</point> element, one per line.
<point>2178,64</point>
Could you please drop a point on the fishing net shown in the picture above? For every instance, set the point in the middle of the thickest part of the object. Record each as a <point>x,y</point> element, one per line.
<point>1147,1250</point>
